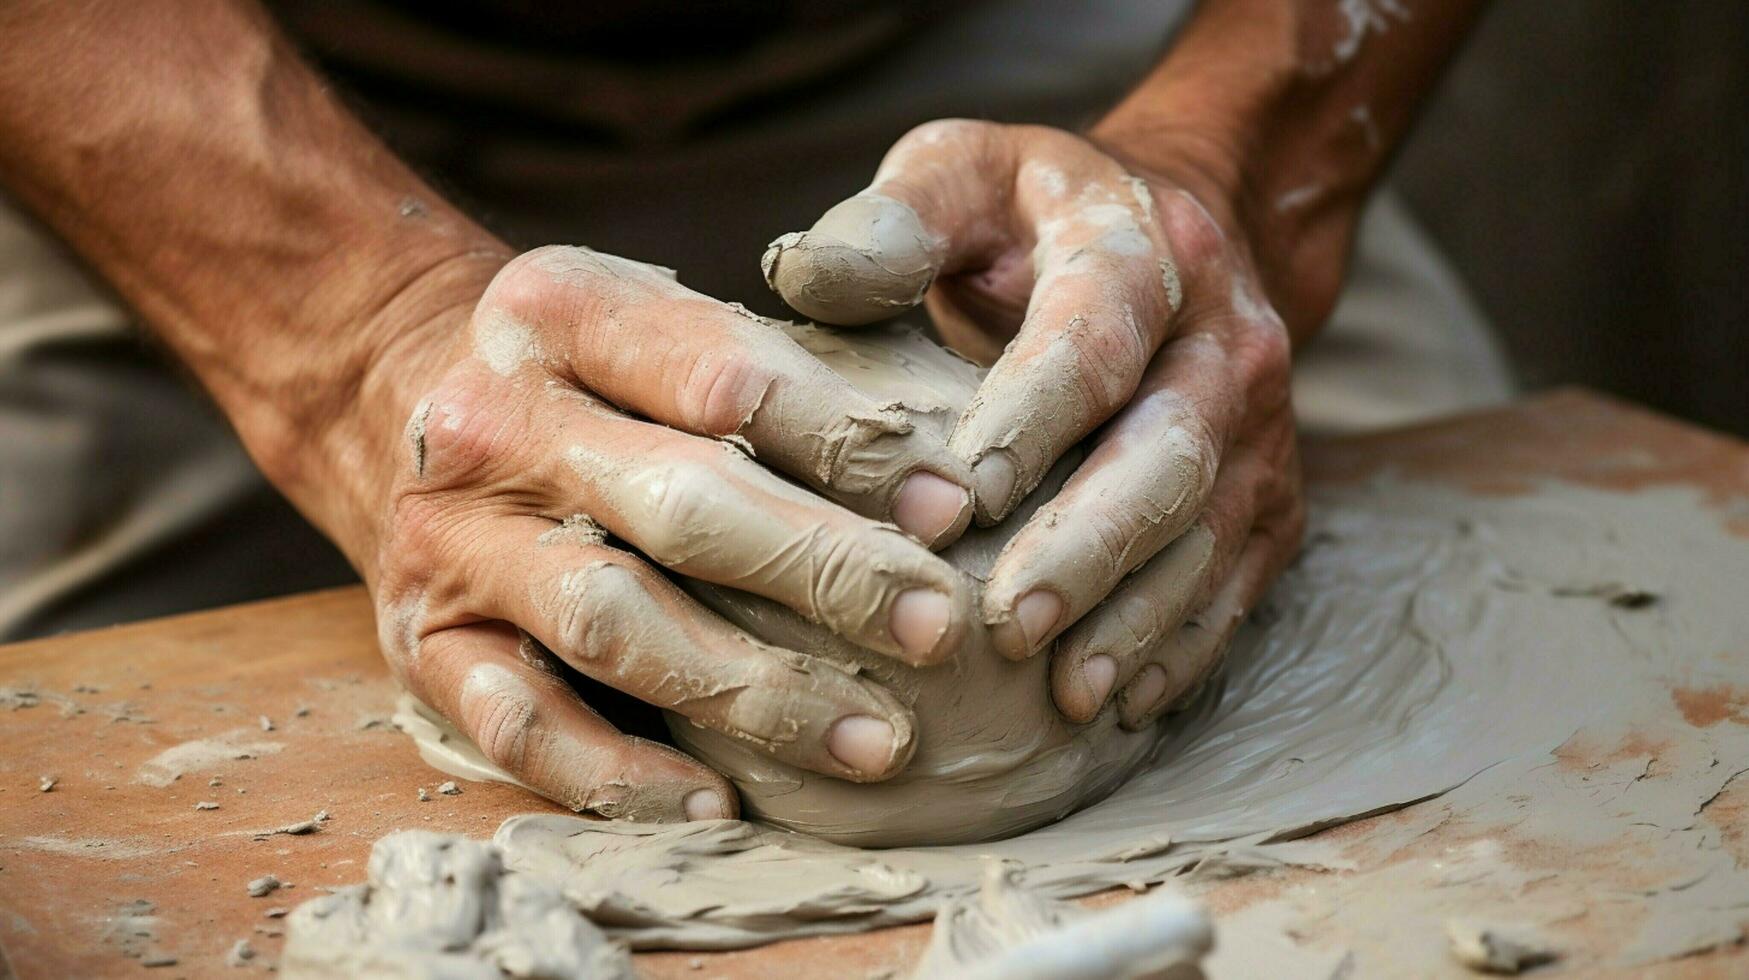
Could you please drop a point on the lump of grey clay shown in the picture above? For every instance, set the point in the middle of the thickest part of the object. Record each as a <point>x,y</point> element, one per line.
<point>441,905</point>
<point>994,758</point>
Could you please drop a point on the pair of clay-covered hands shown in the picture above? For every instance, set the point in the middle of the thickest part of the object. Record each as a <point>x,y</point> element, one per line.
<point>591,401</point>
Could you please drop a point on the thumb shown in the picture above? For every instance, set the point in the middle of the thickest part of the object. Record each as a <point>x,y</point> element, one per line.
<point>874,255</point>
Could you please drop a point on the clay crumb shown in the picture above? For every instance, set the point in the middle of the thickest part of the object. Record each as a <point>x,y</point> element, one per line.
<point>579,529</point>
<point>266,723</point>
<point>277,912</point>
<point>263,886</point>
<point>87,689</point>
<point>46,783</point>
<point>740,443</point>
<point>298,829</point>
<point>1616,594</point>
<point>215,781</point>
<point>1490,950</point>
<point>416,435</point>
<point>157,960</point>
<point>302,712</point>
<point>16,698</point>
<point>424,797</point>
<point>206,805</point>
<point>240,954</point>
<point>450,789</point>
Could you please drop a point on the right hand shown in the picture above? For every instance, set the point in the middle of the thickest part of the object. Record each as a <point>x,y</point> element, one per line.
<point>584,402</point>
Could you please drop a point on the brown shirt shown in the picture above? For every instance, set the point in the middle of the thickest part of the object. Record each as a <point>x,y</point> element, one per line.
<point>634,71</point>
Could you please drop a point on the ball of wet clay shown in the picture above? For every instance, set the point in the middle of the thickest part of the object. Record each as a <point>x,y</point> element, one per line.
<point>994,758</point>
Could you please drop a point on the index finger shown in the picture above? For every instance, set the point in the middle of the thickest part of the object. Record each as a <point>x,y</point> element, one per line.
<point>1102,303</point>
<point>647,344</point>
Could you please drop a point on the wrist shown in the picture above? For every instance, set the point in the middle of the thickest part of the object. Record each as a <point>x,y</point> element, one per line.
<point>1240,117</point>
<point>325,430</point>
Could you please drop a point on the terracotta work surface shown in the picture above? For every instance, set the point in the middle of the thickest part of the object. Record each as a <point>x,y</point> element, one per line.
<point>79,861</point>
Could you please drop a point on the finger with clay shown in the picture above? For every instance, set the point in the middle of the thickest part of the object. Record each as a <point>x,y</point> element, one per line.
<point>1117,310</point>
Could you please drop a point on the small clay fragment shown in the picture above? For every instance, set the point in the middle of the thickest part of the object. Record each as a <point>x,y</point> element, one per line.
<point>263,886</point>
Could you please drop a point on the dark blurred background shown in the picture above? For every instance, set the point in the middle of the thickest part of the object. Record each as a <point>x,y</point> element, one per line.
<point>1586,166</point>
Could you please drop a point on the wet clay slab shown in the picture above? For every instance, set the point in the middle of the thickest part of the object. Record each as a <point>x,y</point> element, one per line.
<point>114,861</point>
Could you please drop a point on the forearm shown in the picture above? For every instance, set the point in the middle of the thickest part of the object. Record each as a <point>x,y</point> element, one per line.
<point>265,237</point>
<point>1290,111</point>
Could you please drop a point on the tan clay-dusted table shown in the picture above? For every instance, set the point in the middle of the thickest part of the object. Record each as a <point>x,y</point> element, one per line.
<point>277,710</point>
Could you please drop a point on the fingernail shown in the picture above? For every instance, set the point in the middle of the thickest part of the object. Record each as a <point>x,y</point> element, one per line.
<point>1146,690</point>
<point>1099,673</point>
<point>919,618</point>
<point>704,804</point>
<point>1038,612</point>
<point>862,742</point>
<point>929,506</point>
<point>993,479</point>
<point>1034,616</point>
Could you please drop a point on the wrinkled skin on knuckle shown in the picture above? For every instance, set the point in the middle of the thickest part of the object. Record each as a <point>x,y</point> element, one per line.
<point>468,428</point>
<point>720,390</point>
<point>522,289</point>
<point>1195,238</point>
<point>505,721</point>
<point>1109,361</point>
<point>1262,355</point>
<point>1191,460</point>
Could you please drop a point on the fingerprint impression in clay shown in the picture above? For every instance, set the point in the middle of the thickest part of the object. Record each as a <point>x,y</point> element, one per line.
<point>993,756</point>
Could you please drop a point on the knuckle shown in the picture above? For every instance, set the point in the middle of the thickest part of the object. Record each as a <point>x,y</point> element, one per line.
<point>720,392</point>
<point>939,132</point>
<point>462,429</point>
<point>678,518</point>
<point>1111,360</point>
<point>1196,240</point>
<point>1263,356</point>
<point>1115,532</point>
<point>597,607</point>
<point>526,289</point>
<point>1191,460</point>
<point>506,727</point>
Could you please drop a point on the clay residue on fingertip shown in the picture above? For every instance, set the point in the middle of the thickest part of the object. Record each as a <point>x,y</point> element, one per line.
<point>866,259</point>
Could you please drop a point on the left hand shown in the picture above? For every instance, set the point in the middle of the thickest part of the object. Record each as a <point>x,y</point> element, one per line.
<point>1116,302</point>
